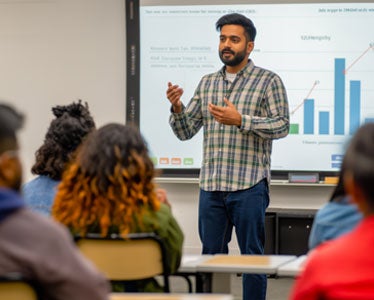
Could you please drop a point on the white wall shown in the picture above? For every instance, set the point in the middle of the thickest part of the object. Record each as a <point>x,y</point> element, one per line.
<point>57,51</point>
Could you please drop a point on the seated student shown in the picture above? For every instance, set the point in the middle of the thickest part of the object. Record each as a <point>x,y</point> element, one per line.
<point>36,247</point>
<point>109,188</point>
<point>65,133</point>
<point>344,268</point>
<point>336,217</point>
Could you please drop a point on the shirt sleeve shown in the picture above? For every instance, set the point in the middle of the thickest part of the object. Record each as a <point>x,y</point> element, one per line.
<point>172,236</point>
<point>187,123</point>
<point>275,124</point>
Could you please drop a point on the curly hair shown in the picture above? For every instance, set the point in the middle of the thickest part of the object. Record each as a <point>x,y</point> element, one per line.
<point>110,184</point>
<point>65,133</point>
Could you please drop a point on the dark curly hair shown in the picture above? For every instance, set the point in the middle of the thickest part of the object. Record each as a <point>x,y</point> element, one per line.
<point>65,133</point>
<point>109,184</point>
<point>238,19</point>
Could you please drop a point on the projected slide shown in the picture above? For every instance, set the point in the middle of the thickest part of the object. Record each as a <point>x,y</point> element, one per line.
<point>324,54</point>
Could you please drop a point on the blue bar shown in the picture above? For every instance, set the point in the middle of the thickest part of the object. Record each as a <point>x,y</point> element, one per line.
<point>324,124</point>
<point>309,116</point>
<point>339,96</point>
<point>354,105</point>
<point>369,120</point>
<point>337,157</point>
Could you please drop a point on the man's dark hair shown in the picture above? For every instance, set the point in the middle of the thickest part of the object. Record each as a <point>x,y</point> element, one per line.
<point>359,160</point>
<point>238,19</point>
<point>10,122</point>
<point>65,133</point>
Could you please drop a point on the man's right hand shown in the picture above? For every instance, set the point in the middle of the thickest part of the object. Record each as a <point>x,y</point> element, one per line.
<point>174,93</point>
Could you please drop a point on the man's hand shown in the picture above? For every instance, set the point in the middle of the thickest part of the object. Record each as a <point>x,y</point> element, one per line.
<point>174,94</point>
<point>227,115</point>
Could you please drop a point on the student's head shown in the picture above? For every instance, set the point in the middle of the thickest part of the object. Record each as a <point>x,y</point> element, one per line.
<point>359,168</point>
<point>67,130</point>
<point>10,167</point>
<point>109,183</point>
<point>237,35</point>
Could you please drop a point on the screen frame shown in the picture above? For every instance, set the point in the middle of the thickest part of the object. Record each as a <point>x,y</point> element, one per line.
<point>133,81</point>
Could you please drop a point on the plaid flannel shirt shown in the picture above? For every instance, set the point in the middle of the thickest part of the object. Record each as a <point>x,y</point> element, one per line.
<point>236,158</point>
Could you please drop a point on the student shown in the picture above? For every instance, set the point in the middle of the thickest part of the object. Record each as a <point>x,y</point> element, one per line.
<point>109,188</point>
<point>32,245</point>
<point>336,217</point>
<point>71,125</point>
<point>344,268</point>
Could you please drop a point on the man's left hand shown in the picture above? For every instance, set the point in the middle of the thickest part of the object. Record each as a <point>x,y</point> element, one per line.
<point>227,115</point>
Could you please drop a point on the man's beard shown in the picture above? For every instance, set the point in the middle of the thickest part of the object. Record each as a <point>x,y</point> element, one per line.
<point>237,58</point>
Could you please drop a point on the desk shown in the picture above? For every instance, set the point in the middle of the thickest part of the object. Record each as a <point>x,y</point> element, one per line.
<point>255,264</point>
<point>162,296</point>
<point>190,262</point>
<point>213,271</point>
<point>292,268</point>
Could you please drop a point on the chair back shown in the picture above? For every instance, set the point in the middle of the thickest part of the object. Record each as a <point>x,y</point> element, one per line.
<point>14,287</point>
<point>135,257</point>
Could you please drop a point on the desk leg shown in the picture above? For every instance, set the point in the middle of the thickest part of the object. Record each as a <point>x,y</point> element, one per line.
<point>203,282</point>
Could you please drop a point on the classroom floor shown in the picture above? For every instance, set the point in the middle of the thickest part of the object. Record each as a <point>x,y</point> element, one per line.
<point>278,288</point>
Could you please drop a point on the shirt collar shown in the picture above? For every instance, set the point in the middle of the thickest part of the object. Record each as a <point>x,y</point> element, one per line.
<point>246,70</point>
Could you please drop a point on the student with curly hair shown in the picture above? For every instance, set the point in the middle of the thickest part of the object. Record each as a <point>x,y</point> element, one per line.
<point>109,189</point>
<point>71,125</point>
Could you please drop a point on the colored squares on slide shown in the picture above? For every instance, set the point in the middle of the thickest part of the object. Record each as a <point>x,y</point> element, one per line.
<point>173,161</point>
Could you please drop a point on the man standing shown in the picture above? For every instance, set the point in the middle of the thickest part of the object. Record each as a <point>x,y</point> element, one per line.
<point>242,109</point>
<point>32,245</point>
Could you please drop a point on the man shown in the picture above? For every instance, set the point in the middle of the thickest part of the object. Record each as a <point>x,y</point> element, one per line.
<point>32,245</point>
<point>344,268</point>
<point>242,109</point>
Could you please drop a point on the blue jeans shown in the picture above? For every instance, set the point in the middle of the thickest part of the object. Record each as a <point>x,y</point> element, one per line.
<point>219,212</point>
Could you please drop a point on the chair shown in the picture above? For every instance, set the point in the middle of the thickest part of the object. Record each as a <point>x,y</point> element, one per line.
<point>137,256</point>
<point>14,287</point>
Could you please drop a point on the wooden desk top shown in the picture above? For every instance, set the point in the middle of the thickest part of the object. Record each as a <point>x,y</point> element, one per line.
<point>190,262</point>
<point>258,264</point>
<point>162,296</point>
<point>292,268</point>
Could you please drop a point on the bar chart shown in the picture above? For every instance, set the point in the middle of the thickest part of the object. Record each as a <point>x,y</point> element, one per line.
<point>337,117</point>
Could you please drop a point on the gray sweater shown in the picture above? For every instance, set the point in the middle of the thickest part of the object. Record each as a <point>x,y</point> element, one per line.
<point>41,249</point>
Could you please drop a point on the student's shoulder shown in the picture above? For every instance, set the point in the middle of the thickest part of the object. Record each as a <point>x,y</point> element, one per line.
<point>331,253</point>
<point>38,223</point>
